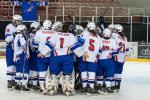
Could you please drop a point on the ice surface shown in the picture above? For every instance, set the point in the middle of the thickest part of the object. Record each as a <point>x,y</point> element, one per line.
<point>135,86</point>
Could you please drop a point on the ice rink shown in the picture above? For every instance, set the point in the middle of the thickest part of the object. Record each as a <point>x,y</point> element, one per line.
<point>135,86</point>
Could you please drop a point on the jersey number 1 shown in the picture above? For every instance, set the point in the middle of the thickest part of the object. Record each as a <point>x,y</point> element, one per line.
<point>61,42</point>
<point>91,46</point>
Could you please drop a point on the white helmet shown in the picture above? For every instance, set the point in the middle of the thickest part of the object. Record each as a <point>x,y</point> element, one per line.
<point>111,26</point>
<point>107,33</point>
<point>17,20</point>
<point>21,28</point>
<point>91,26</point>
<point>119,27</point>
<point>57,26</point>
<point>79,28</point>
<point>17,17</point>
<point>47,24</point>
<point>35,25</point>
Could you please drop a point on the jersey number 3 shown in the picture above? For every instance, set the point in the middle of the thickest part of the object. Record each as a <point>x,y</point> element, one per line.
<point>91,46</point>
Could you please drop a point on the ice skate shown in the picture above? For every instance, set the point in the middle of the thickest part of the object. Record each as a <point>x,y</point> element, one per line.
<point>24,88</point>
<point>108,91</point>
<point>10,85</point>
<point>100,89</point>
<point>17,87</point>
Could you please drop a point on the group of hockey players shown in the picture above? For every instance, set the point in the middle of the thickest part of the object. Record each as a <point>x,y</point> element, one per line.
<point>57,57</point>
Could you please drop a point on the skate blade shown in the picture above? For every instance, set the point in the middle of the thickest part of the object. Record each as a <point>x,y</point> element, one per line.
<point>101,92</point>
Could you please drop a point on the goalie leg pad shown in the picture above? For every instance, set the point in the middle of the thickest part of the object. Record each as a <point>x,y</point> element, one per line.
<point>52,85</point>
<point>68,85</point>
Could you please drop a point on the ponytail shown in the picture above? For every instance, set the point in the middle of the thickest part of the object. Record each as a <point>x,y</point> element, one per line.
<point>122,34</point>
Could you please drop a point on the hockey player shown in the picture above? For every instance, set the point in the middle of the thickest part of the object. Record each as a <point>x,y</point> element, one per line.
<point>114,35</point>
<point>106,69</point>
<point>33,67</point>
<point>21,56</point>
<point>77,32</point>
<point>9,38</point>
<point>41,37</point>
<point>57,26</point>
<point>88,63</point>
<point>62,59</point>
<point>120,58</point>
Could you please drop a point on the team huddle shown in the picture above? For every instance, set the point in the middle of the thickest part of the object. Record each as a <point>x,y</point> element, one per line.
<point>56,57</point>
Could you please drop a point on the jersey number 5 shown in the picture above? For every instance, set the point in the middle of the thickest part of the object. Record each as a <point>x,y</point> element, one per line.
<point>91,46</point>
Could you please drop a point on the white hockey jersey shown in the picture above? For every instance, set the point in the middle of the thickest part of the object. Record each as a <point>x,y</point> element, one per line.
<point>20,46</point>
<point>62,44</point>
<point>91,46</point>
<point>122,44</point>
<point>41,37</point>
<point>107,46</point>
<point>9,31</point>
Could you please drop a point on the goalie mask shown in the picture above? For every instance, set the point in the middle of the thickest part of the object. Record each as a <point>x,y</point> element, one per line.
<point>47,24</point>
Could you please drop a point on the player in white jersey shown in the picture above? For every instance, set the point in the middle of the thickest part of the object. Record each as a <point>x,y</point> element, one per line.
<point>33,66</point>
<point>21,56</point>
<point>120,58</point>
<point>88,63</point>
<point>9,38</point>
<point>62,58</point>
<point>41,37</point>
<point>77,32</point>
<point>106,69</point>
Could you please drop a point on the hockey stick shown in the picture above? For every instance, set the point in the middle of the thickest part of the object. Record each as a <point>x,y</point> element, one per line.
<point>70,17</point>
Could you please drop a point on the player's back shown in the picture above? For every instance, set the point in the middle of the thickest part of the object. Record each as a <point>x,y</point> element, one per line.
<point>107,46</point>
<point>42,36</point>
<point>63,43</point>
<point>122,44</point>
<point>91,46</point>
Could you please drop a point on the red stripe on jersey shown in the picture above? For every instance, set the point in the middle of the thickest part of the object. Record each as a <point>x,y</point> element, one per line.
<point>91,79</point>
<point>84,79</point>
<point>55,52</point>
<point>52,44</point>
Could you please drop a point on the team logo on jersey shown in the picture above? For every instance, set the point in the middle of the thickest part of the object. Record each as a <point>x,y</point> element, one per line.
<point>30,9</point>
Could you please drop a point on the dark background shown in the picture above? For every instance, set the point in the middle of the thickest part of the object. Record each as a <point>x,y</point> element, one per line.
<point>139,30</point>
